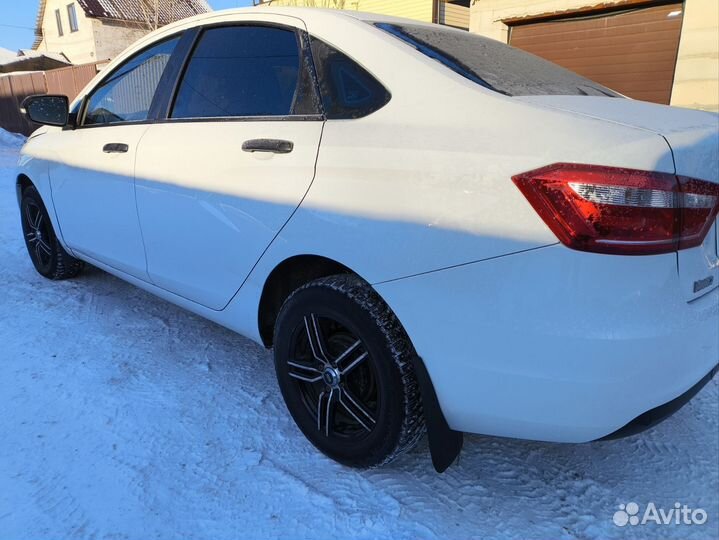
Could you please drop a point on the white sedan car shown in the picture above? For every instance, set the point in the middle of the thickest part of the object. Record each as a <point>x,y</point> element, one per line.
<point>433,231</point>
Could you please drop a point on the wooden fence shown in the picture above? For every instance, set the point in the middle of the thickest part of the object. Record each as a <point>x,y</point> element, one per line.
<point>15,87</point>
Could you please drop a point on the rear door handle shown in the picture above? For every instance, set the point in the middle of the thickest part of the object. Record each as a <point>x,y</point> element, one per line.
<point>276,146</point>
<point>115,148</point>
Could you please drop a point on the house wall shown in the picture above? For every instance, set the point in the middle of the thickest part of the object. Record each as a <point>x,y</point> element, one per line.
<point>96,40</point>
<point>696,78</point>
<point>113,37</point>
<point>420,10</point>
<point>486,15</point>
<point>78,47</point>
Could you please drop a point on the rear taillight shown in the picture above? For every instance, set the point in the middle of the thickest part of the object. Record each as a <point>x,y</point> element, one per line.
<point>621,211</point>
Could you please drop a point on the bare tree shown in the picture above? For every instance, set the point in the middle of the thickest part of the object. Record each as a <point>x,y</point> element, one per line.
<point>152,9</point>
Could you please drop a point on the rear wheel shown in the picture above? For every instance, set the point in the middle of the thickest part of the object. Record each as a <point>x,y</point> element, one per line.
<point>47,255</point>
<point>343,364</point>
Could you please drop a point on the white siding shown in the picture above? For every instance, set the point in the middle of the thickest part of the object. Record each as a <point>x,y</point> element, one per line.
<point>420,10</point>
<point>696,79</point>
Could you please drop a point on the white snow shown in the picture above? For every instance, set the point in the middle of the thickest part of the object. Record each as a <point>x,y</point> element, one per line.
<point>6,54</point>
<point>9,141</point>
<point>122,416</point>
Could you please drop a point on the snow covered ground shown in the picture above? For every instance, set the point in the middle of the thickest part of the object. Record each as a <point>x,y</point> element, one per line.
<point>122,416</point>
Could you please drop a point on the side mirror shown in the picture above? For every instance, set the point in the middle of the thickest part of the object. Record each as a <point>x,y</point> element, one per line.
<point>47,110</point>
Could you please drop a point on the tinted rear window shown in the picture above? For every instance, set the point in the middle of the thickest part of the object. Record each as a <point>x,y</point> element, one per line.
<point>240,71</point>
<point>495,65</point>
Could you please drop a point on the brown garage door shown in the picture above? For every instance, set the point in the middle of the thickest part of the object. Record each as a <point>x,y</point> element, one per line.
<point>632,51</point>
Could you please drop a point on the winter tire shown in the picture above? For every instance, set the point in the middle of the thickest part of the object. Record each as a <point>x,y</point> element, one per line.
<point>47,255</point>
<point>344,366</point>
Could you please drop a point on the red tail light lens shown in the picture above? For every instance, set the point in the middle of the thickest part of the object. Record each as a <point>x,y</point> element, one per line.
<point>621,211</point>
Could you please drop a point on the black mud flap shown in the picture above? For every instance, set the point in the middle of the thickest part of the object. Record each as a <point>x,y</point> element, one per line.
<point>444,443</point>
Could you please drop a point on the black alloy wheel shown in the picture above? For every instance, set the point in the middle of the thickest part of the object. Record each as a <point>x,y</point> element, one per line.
<point>46,253</point>
<point>344,367</point>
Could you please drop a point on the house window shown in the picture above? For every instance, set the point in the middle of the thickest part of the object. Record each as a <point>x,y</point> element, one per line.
<point>58,18</point>
<point>72,16</point>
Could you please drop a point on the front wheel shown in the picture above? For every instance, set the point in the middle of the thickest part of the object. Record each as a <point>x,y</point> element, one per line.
<point>47,255</point>
<point>344,367</point>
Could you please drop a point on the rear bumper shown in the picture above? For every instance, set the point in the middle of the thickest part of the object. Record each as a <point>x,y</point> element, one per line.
<point>658,414</point>
<point>554,344</point>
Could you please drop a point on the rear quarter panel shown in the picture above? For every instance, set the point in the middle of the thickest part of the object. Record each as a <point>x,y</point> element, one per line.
<point>425,182</point>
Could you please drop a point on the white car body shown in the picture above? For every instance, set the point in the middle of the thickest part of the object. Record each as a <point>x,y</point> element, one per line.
<point>521,336</point>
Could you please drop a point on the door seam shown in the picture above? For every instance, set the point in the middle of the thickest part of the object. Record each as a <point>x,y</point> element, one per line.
<point>299,204</point>
<point>137,208</point>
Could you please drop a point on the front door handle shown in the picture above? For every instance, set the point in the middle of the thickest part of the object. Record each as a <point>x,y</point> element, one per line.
<point>115,148</point>
<point>276,146</point>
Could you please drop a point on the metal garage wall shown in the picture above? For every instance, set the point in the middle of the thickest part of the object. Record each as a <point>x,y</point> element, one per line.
<point>633,51</point>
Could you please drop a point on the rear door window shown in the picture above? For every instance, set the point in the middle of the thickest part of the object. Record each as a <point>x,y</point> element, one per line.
<point>243,71</point>
<point>493,64</point>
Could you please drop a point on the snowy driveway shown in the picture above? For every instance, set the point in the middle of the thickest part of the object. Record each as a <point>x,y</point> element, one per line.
<point>122,416</point>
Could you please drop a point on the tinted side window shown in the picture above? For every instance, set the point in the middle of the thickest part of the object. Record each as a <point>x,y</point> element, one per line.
<point>348,90</point>
<point>241,71</point>
<point>126,95</point>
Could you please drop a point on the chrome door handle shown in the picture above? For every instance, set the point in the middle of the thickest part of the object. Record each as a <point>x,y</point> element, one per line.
<point>276,146</point>
<point>115,148</point>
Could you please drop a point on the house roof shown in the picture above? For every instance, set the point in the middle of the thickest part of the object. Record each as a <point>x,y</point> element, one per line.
<point>29,60</point>
<point>137,10</point>
<point>6,54</point>
<point>131,11</point>
<point>8,57</point>
<point>38,24</point>
<point>30,53</point>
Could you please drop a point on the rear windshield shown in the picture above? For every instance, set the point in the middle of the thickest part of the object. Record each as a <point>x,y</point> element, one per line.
<point>495,65</point>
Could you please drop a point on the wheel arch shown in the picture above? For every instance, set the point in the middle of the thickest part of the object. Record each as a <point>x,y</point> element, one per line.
<point>22,182</point>
<point>286,277</point>
<point>35,175</point>
<point>445,444</point>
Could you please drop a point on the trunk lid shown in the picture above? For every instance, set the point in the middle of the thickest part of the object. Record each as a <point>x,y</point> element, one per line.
<point>693,137</point>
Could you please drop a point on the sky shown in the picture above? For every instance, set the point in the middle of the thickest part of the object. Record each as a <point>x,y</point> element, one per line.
<point>17,20</point>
